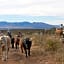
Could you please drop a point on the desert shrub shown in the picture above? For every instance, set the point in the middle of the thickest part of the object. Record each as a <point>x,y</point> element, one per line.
<point>36,40</point>
<point>52,45</point>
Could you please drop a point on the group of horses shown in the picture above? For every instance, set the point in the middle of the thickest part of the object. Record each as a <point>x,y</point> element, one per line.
<point>6,41</point>
<point>22,43</point>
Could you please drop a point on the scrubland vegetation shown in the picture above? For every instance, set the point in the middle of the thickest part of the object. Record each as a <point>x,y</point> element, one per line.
<point>46,47</point>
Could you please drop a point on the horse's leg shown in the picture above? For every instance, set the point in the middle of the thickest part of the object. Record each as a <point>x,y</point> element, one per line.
<point>12,45</point>
<point>29,51</point>
<point>26,52</point>
<point>22,48</point>
<point>6,52</point>
<point>3,54</point>
<point>16,45</point>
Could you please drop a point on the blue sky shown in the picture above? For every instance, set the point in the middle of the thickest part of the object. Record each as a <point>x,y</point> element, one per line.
<point>54,20</point>
<point>48,11</point>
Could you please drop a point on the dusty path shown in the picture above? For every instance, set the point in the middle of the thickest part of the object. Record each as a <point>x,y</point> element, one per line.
<point>16,57</point>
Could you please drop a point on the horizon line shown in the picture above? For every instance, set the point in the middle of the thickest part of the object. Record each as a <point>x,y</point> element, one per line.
<point>28,22</point>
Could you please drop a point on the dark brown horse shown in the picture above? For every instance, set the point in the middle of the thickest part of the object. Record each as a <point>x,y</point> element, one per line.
<point>26,45</point>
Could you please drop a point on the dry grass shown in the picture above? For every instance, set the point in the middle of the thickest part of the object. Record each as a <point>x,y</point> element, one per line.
<point>45,49</point>
<point>49,46</point>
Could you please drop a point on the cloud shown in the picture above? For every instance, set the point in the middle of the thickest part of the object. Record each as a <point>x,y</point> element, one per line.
<point>32,7</point>
<point>56,22</point>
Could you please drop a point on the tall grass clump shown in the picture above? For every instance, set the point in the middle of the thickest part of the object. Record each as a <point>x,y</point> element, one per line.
<point>52,45</point>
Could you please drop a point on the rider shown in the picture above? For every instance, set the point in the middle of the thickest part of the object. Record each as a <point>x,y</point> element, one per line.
<point>9,34</point>
<point>19,34</point>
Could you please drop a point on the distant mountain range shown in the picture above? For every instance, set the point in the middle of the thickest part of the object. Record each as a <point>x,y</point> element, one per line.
<point>25,25</point>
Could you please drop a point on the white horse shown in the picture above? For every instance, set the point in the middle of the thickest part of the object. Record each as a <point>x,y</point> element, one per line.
<point>5,45</point>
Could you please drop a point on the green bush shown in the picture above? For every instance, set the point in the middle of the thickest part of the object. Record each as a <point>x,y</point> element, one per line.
<point>52,45</point>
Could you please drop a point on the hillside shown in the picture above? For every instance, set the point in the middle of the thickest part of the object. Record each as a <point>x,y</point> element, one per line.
<point>25,25</point>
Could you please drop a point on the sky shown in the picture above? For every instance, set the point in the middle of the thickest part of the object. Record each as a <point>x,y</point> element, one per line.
<point>47,11</point>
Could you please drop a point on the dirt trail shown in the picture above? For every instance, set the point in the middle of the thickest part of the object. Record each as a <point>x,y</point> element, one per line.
<point>16,57</point>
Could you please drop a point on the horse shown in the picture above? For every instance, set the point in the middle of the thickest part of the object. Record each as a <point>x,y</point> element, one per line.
<point>5,45</point>
<point>59,32</point>
<point>17,41</point>
<point>26,46</point>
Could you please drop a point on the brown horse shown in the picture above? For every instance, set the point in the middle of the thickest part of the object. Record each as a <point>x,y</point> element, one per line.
<point>58,32</point>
